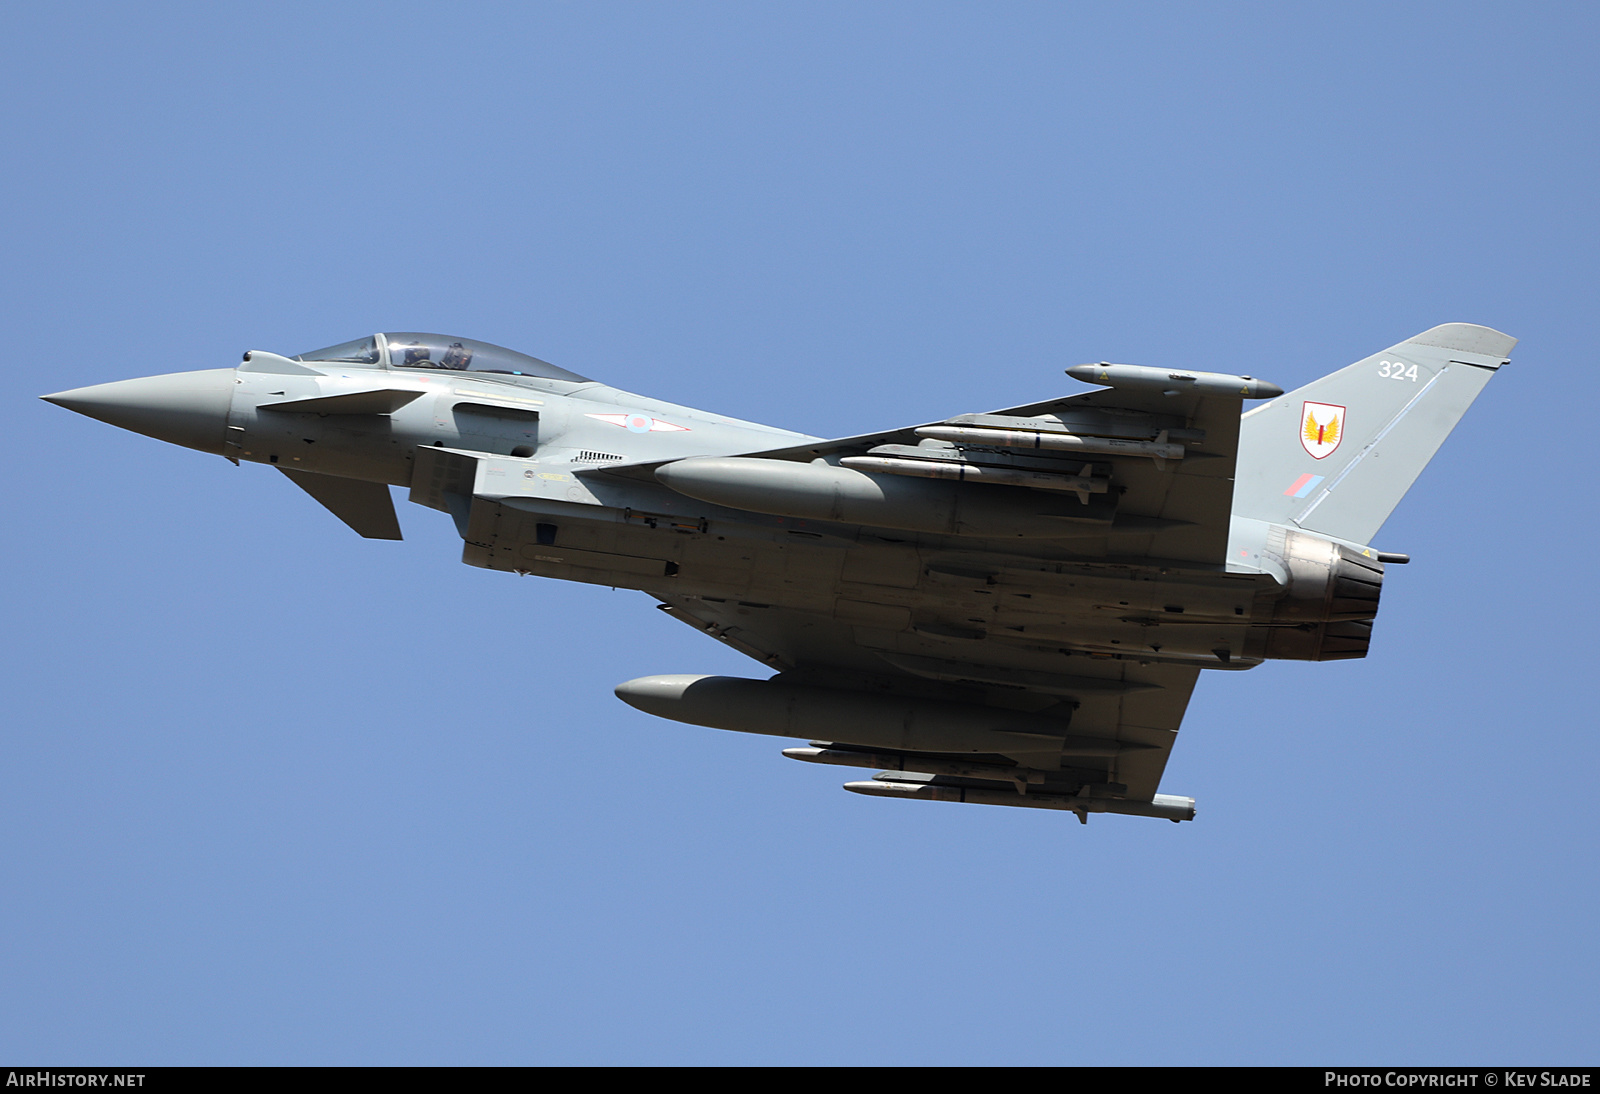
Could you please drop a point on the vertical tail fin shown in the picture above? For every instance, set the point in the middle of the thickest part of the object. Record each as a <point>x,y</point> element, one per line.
<point>1337,455</point>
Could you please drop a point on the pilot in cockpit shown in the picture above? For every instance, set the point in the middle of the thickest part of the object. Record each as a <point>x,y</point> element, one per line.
<point>417,355</point>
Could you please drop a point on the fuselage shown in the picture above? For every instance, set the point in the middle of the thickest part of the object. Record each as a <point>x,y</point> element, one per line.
<point>550,473</point>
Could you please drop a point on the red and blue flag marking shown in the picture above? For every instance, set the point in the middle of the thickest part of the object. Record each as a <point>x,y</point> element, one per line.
<point>1303,486</point>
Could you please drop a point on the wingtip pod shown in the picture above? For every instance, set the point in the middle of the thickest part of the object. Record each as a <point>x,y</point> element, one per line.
<point>1466,338</point>
<point>1176,382</point>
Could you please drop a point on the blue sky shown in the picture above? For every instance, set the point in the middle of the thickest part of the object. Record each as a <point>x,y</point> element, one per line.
<point>279,795</point>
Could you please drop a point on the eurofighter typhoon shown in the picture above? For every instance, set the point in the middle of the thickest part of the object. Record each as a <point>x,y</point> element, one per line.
<point>1006,608</point>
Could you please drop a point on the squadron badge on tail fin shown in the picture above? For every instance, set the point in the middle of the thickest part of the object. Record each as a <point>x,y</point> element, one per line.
<point>1321,428</point>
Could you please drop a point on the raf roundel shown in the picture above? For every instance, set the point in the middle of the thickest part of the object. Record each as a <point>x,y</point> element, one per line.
<point>640,423</point>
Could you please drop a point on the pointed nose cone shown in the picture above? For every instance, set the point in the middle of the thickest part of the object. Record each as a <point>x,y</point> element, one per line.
<point>187,408</point>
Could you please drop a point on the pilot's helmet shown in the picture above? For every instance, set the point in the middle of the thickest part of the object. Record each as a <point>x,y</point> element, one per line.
<point>417,353</point>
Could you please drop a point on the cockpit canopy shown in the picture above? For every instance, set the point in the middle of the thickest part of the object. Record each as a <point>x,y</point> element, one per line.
<point>437,351</point>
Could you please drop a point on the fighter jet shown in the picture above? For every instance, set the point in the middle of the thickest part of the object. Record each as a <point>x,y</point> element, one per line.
<point>1005,608</point>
